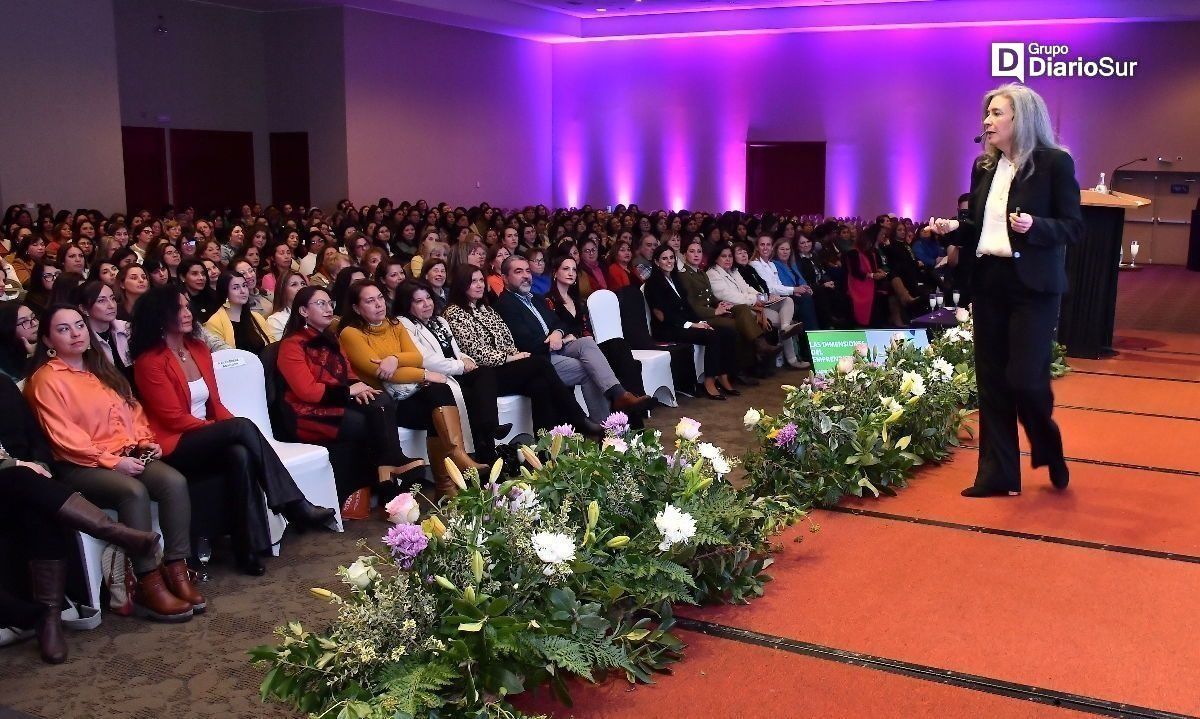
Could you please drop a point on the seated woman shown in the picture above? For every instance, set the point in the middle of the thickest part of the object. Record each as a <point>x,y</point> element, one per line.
<point>173,370</point>
<point>738,317</point>
<point>788,271</point>
<point>536,257</point>
<point>383,355</point>
<point>475,388</point>
<point>281,306</point>
<point>591,274</point>
<point>132,283</point>
<point>18,337</point>
<point>40,284</point>
<point>104,271</point>
<point>495,260</point>
<point>258,302</point>
<point>436,276</point>
<point>99,307</point>
<point>42,511</point>
<point>728,285</point>
<point>341,286</point>
<point>372,259</point>
<point>236,325</point>
<point>432,248</point>
<point>672,319</point>
<point>328,404</point>
<point>909,279</point>
<point>202,299</point>
<point>620,266</point>
<point>71,259</point>
<point>107,452</point>
<point>29,251</point>
<point>563,298</point>
<point>471,252</point>
<point>483,336</point>
<point>388,275</point>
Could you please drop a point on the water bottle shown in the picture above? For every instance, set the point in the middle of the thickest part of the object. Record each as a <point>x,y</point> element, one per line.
<point>1102,188</point>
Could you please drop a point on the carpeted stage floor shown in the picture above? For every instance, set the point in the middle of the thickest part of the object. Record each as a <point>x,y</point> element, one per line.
<point>921,605</point>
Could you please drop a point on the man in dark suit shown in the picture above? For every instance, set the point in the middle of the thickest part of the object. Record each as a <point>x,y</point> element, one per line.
<point>578,360</point>
<point>1022,213</point>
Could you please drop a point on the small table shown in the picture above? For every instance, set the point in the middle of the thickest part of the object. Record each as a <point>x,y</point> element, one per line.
<point>940,319</point>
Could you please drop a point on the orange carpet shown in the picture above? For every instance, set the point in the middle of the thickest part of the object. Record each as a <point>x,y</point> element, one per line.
<point>1128,439</point>
<point>1127,394</point>
<point>722,679</point>
<point>1107,505</point>
<point>1135,339</point>
<point>1095,623</point>
<point>1145,364</point>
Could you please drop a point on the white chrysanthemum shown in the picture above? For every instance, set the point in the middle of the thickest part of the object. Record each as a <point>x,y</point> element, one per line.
<point>708,450</point>
<point>721,466</point>
<point>675,526</point>
<point>553,548</point>
<point>751,418</point>
<point>890,404</point>
<point>942,369</point>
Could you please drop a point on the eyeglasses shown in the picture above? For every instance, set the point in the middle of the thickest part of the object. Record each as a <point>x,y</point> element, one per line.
<point>28,322</point>
<point>320,304</point>
<point>50,275</point>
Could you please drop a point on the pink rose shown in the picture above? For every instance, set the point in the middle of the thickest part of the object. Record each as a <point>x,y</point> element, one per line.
<point>403,509</point>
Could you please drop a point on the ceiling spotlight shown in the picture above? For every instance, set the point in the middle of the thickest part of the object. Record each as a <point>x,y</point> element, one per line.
<point>601,9</point>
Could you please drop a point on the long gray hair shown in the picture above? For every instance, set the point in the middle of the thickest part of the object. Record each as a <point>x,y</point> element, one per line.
<point>1031,128</point>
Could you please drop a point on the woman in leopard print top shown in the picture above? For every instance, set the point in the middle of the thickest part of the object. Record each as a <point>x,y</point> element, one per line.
<point>484,337</point>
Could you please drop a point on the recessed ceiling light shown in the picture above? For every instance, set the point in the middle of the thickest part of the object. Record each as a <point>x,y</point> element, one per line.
<point>601,9</point>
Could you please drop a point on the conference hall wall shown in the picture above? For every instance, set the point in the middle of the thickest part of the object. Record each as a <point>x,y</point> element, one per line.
<point>665,122</point>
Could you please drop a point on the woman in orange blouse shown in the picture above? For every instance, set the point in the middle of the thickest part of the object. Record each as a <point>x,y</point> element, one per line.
<point>383,355</point>
<point>97,430</point>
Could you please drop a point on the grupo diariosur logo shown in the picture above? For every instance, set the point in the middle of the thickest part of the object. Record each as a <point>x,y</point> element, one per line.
<point>1022,60</point>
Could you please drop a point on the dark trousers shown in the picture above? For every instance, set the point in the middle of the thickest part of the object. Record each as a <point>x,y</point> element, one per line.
<point>552,402</point>
<point>31,533</point>
<point>236,450</point>
<point>1014,329</point>
<point>720,347</point>
<point>480,389</point>
<point>416,410</point>
<point>366,440</point>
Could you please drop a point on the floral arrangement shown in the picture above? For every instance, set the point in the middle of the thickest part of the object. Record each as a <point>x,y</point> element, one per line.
<point>568,570</point>
<point>862,428</point>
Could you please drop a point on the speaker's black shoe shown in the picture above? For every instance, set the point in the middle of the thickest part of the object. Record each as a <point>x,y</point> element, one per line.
<point>976,491</point>
<point>1060,476</point>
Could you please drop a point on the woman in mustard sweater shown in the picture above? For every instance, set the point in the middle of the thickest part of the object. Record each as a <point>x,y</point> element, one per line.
<point>384,356</point>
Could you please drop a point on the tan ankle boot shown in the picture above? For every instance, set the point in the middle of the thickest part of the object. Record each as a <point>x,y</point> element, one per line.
<point>443,485</point>
<point>448,424</point>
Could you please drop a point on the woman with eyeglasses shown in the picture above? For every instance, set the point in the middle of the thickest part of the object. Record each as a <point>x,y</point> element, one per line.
<point>18,337</point>
<point>40,284</point>
<point>327,404</point>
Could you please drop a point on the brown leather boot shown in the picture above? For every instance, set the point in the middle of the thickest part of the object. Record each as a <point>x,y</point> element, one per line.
<point>179,582</point>
<point>630,402</point>
<point>443,485</point>
<point>358,504</point>
<point>49,583</point>
<point>448,425</point>
<point>78,513</point>
<point>152,600</point>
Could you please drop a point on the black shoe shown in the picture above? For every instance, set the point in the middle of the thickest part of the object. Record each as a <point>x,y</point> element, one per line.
<point>1060,475</point>
<point>306,514</point>
<point>745,381</point>
<point>730,392</point>
<point>717,397</point>
<point>502,430</point>
<point>590,429</point>
<point>250,563</point>
<point>975,491</point>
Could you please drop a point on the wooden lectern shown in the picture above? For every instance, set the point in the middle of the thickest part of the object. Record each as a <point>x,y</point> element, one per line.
<point>1085,324</point>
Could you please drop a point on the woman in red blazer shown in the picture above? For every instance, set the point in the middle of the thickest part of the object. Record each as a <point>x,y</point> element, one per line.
<point>173,372</point>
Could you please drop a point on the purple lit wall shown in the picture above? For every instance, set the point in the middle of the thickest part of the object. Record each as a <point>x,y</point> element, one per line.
<point>445,113</point>
<point>664,122</point>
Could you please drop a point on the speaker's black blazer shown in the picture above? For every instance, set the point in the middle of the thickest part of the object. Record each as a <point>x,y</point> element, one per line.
<point>1051,195</point>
